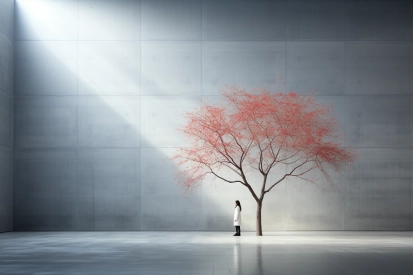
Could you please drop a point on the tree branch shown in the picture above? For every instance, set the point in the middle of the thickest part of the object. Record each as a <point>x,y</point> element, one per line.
<point>286,175</point>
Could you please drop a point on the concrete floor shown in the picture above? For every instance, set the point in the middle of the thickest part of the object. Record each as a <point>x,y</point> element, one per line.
<point>119,253</point>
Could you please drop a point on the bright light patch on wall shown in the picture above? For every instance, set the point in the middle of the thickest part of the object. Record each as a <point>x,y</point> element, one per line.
<point>44,20</point>
<point>35,16</point>
<point>102,74</point>
<point>34,9</point>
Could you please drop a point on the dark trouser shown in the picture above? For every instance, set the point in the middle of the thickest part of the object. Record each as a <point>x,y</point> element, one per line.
<point>238,229</point>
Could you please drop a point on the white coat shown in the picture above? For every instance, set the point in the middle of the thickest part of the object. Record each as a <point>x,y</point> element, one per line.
<point>237,216</point>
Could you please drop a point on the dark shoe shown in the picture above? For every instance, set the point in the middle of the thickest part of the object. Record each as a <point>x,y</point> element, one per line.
<point>236,234</point>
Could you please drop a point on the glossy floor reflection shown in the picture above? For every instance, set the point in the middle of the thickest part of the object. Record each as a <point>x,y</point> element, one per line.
<point>119,253</point>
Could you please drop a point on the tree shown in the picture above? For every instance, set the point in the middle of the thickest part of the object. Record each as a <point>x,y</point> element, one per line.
<point>260,131</point>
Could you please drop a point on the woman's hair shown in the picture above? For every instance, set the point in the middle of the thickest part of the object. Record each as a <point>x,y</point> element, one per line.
<point>238,204</point>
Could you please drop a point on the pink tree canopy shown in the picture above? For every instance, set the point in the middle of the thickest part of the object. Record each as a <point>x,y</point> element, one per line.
<point>260,130</point>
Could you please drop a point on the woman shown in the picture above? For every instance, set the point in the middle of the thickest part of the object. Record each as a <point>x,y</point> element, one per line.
<point>237,218</point>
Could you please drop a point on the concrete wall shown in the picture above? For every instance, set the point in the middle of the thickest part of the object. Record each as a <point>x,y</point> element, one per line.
<point>101,87</point>
<point>6,114</point>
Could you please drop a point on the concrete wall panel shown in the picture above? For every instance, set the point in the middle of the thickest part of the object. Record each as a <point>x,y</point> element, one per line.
<point>243,20</point>
<point>109,68</point>
<point>6,121</point>
<point>45,163</point>
<point>7,18</point>
<point>316,67</point>
<point>310,207</point>
<point>378,68</point>
<point>6,163</point>
<point>109,121</point>
<point>109,20</point>
<point>380,121</point>
<point>46,68</point>
<point>411,201</point>
<point>6,189</point>
<point>47,20</point>
<point>159,213</point>
<point>45,203</point>
<point>379,82</point>
<point>46,122</point>
<point>380,55</point>
<point>6,114</point>
<point>6,65</point>
<point>109,163</point>
<point>157,131</point>
<point>6,207</point>
<point>85,212</point>
<point>378,190</point>
<point>250,64</point>
<point>379,20</point>
<point>383,163</point>
<point>171,20</point>
<point>171,68</point>
<point>164,205</point>
<point>318,20</point>
<point>378,203</point>
<point>109,189</point>
<point>116,204</point>
<point>45,189</point>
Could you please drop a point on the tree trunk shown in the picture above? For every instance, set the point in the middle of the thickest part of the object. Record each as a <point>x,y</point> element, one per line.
<point>259,224</point>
